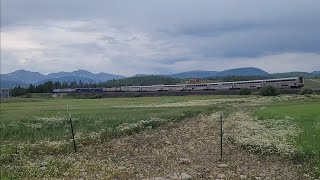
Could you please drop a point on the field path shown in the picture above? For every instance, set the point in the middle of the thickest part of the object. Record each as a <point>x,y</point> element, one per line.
<point>189,150</point>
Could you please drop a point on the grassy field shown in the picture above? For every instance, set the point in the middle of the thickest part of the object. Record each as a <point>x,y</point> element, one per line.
<point>36,130</point>
<point>304,114</point>
<point>37,119</point>
<point>312,83</point>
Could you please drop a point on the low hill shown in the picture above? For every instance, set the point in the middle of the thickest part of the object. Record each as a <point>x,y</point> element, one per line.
<point>142,81</point>
<point>249,71</point>
<point>194,74</point>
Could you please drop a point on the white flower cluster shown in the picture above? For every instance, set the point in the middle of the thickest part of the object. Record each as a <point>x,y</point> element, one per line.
<point>267,136</point>
<point>49,119</point>
<point>129,128</point>
<point>190,103</point>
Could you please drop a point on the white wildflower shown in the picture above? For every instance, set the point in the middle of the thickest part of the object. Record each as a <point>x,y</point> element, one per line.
<point>264,136</point>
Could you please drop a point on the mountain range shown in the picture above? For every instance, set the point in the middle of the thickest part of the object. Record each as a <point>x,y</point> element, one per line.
<point>24,78</point>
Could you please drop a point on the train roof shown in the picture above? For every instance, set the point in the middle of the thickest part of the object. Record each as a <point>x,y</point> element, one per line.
<point>281,79</point>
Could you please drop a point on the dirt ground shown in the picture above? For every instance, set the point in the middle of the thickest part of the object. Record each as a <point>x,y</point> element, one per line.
<point>191,150</point>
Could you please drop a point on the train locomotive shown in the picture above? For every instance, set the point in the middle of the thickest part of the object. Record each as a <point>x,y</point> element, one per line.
<point>281,83</point>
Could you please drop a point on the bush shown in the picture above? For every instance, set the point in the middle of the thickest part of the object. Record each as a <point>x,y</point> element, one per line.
<point>97,96</point>
<point>29,95</point>
<point>269,91</point>
<point>255,93</point>
<point>90,96</point>
<point>306,91</point>
<point>245,91</point>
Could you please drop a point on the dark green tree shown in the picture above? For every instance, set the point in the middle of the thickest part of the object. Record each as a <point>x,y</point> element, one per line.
<point>269,91</point>
<point>18,91</point>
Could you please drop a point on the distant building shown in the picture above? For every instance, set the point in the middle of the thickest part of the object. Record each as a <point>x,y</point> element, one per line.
<point>4,93</point>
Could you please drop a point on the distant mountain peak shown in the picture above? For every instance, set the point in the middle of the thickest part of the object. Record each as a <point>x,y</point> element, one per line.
<point>82,71</point>
<point>244,71</point>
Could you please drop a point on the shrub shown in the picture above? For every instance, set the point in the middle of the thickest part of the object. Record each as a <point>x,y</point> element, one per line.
<point>91,96</point>
<point>269,91</point>
<point>245,91</point>
<point>255,93</point>
<point>306,91</point>
<point>97,96</point>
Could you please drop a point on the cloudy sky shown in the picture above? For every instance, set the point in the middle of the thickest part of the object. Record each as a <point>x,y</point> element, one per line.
<point>159,36</point>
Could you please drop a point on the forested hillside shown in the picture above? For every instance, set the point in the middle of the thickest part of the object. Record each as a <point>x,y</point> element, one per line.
<point>142,81</point>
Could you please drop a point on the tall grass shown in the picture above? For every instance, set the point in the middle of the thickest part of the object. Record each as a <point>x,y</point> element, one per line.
<point>307,116</point>
<point>48,119</point>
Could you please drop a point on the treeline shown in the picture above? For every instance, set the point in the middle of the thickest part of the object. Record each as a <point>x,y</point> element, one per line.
<point>142,81</point>
<point>49,86</point>
<point>295,74</point>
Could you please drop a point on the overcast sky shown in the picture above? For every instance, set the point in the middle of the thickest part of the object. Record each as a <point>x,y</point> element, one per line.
<point>159,36</point>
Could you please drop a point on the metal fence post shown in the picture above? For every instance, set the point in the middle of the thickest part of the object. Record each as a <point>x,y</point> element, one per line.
<point>221,137</point>
<point>74,142</point>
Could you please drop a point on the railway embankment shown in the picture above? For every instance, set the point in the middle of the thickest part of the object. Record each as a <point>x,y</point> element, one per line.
<point>172,93</point>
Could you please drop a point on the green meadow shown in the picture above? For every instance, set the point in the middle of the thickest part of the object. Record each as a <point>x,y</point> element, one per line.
<point>305,115</point>
<point>32,120</point>
<point>39,127</point>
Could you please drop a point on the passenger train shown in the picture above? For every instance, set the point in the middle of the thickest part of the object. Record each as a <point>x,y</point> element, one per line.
<point>282,83</point>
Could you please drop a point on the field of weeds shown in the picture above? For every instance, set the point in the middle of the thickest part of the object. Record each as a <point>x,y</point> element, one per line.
<point>306,116</point>
<point>47,119</point>
<point>35,139</point>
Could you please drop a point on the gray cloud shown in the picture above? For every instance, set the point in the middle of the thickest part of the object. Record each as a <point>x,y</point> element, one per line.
<point>129,37</point>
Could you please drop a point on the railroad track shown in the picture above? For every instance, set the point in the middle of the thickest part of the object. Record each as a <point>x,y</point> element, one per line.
<point>176,93</point>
